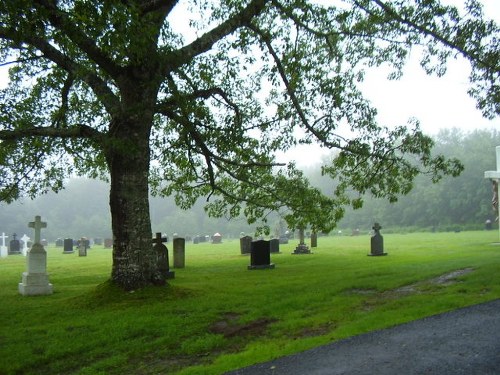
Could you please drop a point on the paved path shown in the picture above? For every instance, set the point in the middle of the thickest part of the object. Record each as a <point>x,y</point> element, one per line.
<point>464,341</point>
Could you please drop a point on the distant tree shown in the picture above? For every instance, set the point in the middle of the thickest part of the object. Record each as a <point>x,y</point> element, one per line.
<point>111,89</point>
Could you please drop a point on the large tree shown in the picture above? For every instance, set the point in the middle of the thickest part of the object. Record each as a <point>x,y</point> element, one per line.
<point>114,89</point>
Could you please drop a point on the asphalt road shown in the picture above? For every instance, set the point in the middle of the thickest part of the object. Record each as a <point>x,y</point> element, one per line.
<point>464,341</point>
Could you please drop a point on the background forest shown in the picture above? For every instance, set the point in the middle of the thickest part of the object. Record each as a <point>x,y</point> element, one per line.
<point>461,203</point>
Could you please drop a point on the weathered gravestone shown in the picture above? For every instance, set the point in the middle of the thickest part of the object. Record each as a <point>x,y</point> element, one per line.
<point>301,248</point>
<point>217,238</point>
<point>274,246</point>
<point>108,242</point>
<point>162,256</point>
<point>14,245</point>
<point>260,255</point>
<point>179,252</point>
<point>494,177</point>
<point>35,281</point>
<point>83,245</point>
<point>59,242</point>
<point>283,239</point>
<point>3,249</point>
<point>377,242</point>
<point>24,243</point>
<point>68,246</point>
<point>98,241</point>
<point>245,245</point>
<point>314,239</point>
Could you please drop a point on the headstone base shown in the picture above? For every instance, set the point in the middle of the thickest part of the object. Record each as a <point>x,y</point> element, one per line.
<point>377,255</point>
<point>35,284</point>
<point>302,249</point>
<point>262,267</point>
<point>68,252</point>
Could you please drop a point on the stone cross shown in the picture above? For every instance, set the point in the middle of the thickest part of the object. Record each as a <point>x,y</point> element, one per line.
<point>3,237</point>
<point>38,224</point>
<point>494,176</point>
<point>158,240</point>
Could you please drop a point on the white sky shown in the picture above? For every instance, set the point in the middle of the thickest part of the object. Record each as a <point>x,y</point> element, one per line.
<point>438,103</point>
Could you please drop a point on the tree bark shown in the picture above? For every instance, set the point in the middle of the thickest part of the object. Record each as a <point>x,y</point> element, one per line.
<point>134,261</point>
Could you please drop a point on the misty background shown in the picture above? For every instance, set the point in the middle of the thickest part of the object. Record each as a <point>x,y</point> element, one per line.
<point>462,203</point>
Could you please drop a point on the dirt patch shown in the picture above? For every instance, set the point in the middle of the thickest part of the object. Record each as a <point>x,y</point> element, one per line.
<point>316,331</point>
<point>229,326</point>
<point>445,279</point>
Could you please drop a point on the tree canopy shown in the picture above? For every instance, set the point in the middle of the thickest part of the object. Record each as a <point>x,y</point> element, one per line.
<point>112,89</point>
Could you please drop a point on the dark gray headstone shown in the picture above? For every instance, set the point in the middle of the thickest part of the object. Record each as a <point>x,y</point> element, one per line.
<point>245,244</point>
<point>162,256</point>
<point>314,239</point>
<point>68,246</point>
<point>179,252</point>
<point>377,242</point>
<point>260,255</point>
<point>274,245</point>
<point>14,246</point>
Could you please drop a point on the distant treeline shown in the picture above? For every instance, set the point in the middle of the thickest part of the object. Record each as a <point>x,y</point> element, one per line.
<point>460,203</point>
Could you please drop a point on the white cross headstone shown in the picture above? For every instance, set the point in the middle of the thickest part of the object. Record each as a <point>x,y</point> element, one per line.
<point>35,281</point>
<point>25,240</point>
<point>495,177</point>
<point>3,248</point>
<point>38,224</point>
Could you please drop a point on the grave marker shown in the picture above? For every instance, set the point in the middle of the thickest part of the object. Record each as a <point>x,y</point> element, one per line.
<point>82,247</point>
<point>179,252</point>
<point>3,249</point>
<point>14,245</point>
<point>24,240</point>
<point>274,245</point>
<point>162,256</point>
<point>377,242</point>
<point>494,177</point>
<point>260,255</point>
<point>301,248</point>
<point>35,281</point>
<point>68,246</point>
<point>245,245</point>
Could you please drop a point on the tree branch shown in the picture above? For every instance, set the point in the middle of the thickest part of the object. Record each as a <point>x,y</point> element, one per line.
<point>77,131</point>
<point>205,42</point>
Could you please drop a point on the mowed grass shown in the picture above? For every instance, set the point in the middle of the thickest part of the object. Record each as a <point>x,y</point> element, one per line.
<point>216,315</point>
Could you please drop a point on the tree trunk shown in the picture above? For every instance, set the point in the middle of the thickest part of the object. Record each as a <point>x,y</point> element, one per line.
<point>134,261</point>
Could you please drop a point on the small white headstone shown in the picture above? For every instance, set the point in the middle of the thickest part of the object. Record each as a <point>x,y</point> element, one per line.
<point>3,249</point>
<point>35,281</point>
<point>25,240</point>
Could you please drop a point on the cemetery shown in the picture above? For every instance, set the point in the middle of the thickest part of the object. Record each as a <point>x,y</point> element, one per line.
<point>217,315</point>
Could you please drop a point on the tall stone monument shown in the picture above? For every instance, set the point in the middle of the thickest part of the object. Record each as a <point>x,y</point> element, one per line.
<point>35,281</point>
<point>494,176</point>
<point>301,248</point>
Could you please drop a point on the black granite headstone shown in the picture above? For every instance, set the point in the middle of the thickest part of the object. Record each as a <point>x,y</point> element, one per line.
<point>260,255</point>
<point>68,246</point>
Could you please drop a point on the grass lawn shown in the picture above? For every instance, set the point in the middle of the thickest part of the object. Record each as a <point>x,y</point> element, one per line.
<point>216,315</point>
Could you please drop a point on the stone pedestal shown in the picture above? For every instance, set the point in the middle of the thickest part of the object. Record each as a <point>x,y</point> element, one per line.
<point>301,248</point>
<point>179,252</point>
<point>162,257</point>
<point>35,281</point>
<point>260,255</point>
